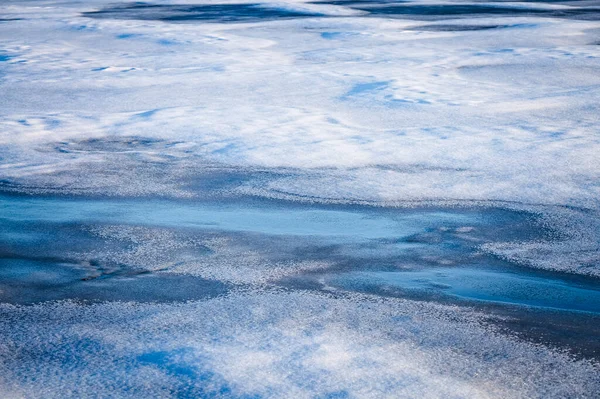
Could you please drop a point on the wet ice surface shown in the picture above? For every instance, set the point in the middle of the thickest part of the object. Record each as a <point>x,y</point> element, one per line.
<point>299,199</point>
<point>477,284</point>
<point>30,281</point>
<point>256,12</point>
<point>199,12</point>
<point>167,252</point>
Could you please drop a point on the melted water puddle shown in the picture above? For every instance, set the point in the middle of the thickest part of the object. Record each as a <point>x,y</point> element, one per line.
<point>477,284</point>
<point>27,282</point>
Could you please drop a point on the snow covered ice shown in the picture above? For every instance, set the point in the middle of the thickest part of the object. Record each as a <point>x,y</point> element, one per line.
<point>299,199</point>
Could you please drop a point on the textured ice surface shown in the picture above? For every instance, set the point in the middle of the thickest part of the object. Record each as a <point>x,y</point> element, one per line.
<point>272,344</point>
<point>302,299</point>
<point>299,199</point>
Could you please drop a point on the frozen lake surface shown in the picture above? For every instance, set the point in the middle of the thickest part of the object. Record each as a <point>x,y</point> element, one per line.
<point>299,199</point>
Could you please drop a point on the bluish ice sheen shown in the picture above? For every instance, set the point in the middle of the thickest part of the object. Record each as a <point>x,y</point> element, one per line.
<point>262,218</point>
<point>517,287</point>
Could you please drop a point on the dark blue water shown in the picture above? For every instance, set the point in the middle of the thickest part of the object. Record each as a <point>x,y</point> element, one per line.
<point>438,11</point>
<point>28,281</point>
<point>222,13</point>
<point>463,27</point>
<point>517,286</point>
<point>226,13</point>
